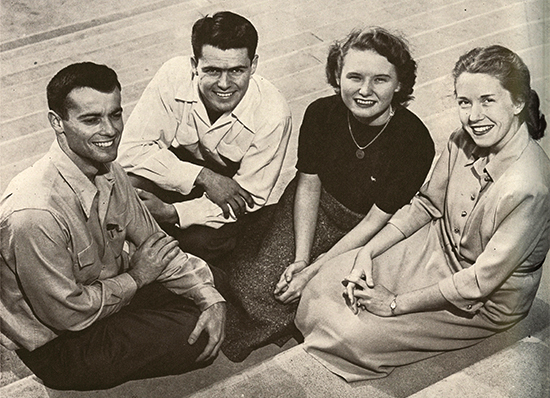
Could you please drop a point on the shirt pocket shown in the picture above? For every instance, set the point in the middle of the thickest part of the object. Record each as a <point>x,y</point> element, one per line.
<point>116,231</point>
<point>87,257</point>
<point>88,265</point>
<point>235,143</point>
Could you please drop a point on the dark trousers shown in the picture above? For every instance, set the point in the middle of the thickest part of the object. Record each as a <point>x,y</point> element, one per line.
<point>147,338</point>
<point>208,243</point>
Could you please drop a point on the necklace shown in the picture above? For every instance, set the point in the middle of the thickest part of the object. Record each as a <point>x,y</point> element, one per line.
<point>360,152</point>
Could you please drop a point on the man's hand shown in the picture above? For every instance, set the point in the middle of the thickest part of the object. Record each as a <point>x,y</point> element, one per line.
<point>162,212</point>
<point>225,192</point>
<point>150,259</point>
<point>212,320</point>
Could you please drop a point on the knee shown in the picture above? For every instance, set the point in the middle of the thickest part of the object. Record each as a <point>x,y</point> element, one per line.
<point>205,242</point>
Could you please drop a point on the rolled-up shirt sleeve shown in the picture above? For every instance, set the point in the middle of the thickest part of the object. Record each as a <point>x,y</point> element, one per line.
<point>190,277</point>
<point>45,271</point>
<point>200,211</point>
<point>519,226</point>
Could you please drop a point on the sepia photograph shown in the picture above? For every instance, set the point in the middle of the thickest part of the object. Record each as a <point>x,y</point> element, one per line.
<point>274,198</point>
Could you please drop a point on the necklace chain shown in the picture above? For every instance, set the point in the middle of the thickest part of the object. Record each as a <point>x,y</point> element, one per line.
<point>360,154</point>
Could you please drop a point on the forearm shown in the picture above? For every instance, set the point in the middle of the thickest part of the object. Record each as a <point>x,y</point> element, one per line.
<point>363,232</point>
<point>306,207</point>
<point>191,277</point>
<point>383,240</point>
<point>161,166</point>
<point>78,306</point>
<point>425,299</point>
<point>200,211</point>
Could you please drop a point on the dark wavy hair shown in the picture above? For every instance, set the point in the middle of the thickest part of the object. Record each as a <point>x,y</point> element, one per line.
<point>388,45</point>
<point>512,73</point>
<point>224,30</point>
<point>84,74</point>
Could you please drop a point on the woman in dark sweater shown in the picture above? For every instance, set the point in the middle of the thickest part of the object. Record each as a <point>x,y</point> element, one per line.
<point>362,155</point>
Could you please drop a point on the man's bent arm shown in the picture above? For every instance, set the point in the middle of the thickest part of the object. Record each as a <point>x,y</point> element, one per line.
<point>45,270</point>
<point>186,274</point>
<point>150,131</point>
<point>259,172</point>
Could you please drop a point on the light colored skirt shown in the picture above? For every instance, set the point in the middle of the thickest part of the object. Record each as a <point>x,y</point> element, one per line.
<point>366,346</point>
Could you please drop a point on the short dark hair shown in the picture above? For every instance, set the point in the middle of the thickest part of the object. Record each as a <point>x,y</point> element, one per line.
<point>512,73</point>
<point>84,74</point>
<point>388,45</point>
<point>224,30</point>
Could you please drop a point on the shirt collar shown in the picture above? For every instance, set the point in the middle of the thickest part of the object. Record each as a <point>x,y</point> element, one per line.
<point>503,159</point>
<point>509,154</point>
<point>243,112</point>
<point>83,188</point>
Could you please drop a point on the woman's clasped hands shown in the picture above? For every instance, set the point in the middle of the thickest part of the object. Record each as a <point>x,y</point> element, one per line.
<point>291,283</point>
<point>360,291</point>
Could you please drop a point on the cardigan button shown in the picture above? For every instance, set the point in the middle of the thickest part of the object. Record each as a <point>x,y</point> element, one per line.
<point>473,197</point>
<point>469,306</point>
<point>464,214</point>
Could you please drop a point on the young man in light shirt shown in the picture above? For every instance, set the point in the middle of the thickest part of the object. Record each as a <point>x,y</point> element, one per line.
<point>206,143</point>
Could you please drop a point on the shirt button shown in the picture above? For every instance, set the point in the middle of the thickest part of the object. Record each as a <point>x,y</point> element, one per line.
<point>456,230</point>
<point>463,214</point>
<point>487,178</point>
<point>473,197</point>
<point>469,306</point>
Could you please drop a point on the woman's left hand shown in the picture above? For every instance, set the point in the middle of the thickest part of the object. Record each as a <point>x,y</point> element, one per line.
<point>294,288</point>
<point>360,278</point>
<point>376,300</point>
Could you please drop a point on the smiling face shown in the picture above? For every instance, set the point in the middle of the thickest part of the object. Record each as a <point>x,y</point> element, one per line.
<point>223,76</point>
<point>367,84</point>
<point>91,132</point>
<point>487,111</point>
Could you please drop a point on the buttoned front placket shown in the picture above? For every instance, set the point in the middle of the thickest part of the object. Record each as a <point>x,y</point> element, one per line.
<point>465,192</point>
<point>109,258</point>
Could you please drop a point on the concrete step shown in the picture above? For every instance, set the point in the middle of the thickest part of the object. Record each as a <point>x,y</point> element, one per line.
<point>135,37</point>
<point>496,368</point>
<point>292,49</point>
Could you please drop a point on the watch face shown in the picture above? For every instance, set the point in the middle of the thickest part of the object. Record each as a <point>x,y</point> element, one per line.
<point>393,304</point>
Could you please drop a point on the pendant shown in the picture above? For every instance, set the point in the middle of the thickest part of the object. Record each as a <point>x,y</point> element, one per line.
<point>360,154</point>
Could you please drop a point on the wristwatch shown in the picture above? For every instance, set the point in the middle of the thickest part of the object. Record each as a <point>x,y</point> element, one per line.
<point>393,305</point>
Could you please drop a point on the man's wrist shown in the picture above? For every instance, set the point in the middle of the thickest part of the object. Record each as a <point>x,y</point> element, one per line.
<point>136,278</point>
<point>202,177</point>
<point>171,214</point>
